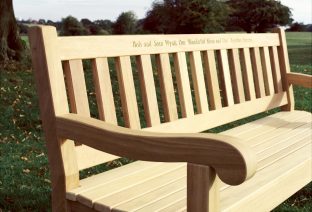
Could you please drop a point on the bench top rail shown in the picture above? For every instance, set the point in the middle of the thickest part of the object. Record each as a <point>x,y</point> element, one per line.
<point>82,47</point>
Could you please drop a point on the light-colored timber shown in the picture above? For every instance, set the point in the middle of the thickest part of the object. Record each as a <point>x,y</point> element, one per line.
<point>300,79</point>
<point>171,88</point>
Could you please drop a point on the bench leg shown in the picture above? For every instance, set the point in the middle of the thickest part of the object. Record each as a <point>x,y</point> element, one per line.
<point>202,189</point>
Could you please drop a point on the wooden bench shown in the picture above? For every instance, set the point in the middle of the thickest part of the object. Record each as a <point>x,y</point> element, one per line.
<point>183,84</point>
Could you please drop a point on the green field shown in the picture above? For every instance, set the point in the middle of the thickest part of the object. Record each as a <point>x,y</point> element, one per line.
<point>24,172</point>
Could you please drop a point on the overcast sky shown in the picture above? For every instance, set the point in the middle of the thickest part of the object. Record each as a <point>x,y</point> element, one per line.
<point>110,9</point>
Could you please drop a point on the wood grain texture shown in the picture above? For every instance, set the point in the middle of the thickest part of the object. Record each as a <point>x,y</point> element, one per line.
<point>148,90</point>
<point>79,47</point>
<point>212,80</point>
<point>300,79</point>
<point>225,77</point>
<point>199,123</point>
<point>166,190</point>
<point>166,87</point>
<point>236,165</point>
<point>127,93</point>
<point>276,148</point>
<point>247,74</point>
<point>267,71</point>
<point>285,68</point>
<point>199,82</point>
<point>276,71</point>
<point>76,85</point>
<point>88,157</point>
<point>53,101</point>
<point>236,74</point>
<point>272,184</point>
<point>103,90</point>
<point>183,83</point>
<point>257,72</point>
<point>202,189</point>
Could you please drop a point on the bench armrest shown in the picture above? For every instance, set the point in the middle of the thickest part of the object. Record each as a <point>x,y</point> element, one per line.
<point>300,79</point>
<point>233,162</point>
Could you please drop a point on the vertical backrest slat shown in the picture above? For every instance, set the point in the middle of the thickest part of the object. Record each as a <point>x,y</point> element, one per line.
<point>166,87</point>
<point>76,86</point>
<point>225,77</point>
<point>247,74</point>
<point>267,70</point>
<point>285,68</point>
<point>127,92</point>
<point>236,72</point>
<point>212,80</point>
<point>276,71</point>
<point>148,90</point>
<point>199,82</point>
<point>103,90</point>
<point>257,72</point>
<point>183,83</point>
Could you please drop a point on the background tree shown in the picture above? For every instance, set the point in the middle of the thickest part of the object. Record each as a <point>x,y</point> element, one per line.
<point>258,15</point>
<point>186,16</point>
<point>42,21</point>
<point>125,24</point>
<point>92,28</point>
<point>297,27</point>
<point>71,26</point>
<point>105,25</point>
<point>11,46</point>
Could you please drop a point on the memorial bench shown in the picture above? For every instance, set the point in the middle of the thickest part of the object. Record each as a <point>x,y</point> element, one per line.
<point>184,84</point>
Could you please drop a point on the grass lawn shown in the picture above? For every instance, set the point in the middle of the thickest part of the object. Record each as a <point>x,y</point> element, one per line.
<point>24,172</point>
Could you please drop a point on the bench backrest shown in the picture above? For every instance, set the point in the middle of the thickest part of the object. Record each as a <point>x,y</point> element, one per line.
<point>183,83</point>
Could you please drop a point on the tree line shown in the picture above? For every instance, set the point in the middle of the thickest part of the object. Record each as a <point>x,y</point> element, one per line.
<point>164,16</point>
<point>184,16</point>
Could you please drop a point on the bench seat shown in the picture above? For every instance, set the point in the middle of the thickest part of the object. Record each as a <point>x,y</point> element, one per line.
<point>283,145</point>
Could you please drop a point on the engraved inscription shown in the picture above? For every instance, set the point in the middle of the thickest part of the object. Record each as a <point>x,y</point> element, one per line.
<point>184,42</point>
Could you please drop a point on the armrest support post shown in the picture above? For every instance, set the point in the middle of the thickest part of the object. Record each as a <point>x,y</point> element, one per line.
<point>203,192</point>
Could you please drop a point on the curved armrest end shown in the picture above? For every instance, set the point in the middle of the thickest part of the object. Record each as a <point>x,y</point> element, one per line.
<point>244,165</point>
<point>233,162</point>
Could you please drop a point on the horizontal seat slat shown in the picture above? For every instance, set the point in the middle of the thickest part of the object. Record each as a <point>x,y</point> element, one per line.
<point>178,187</point>
<point>106,177</point>
<point>166,201</point>
<point>272,155</point>
<point>280,133</point>
<point>253,134</point>
<point>79,47</point>
<point>178,205</point>
<point>277,119</point>
<point>271,184</point>
<point>139,190</point>
<point>89,197</point>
